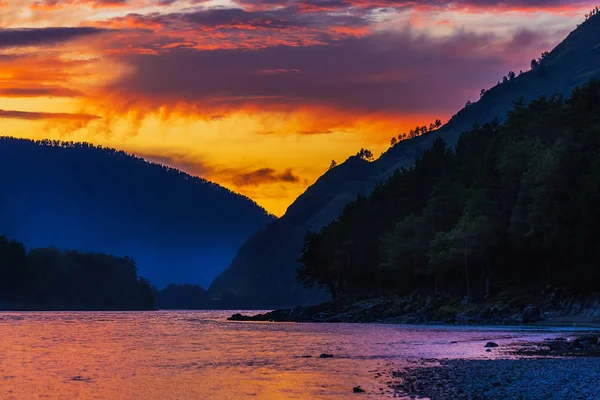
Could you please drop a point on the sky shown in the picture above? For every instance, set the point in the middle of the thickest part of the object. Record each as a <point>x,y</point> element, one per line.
<point>258,95</point>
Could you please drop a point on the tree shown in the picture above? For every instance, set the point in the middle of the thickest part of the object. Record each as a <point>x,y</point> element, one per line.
<point>482,93</point>
<point>13,264</point>
<point>512,75</point>
<point>393,142</point>
<point>333,164</point>
<point>403,251</point>
<point>365,154</point>
<point>536,216</point>
<point>467,240</point>
<point>443,206</point>
<point>534,63</point>
<point>504,79</point>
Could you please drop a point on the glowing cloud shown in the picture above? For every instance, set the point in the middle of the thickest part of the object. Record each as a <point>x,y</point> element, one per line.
<point>258,95</point>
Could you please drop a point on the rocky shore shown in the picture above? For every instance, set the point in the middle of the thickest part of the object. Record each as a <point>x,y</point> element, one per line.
<point>558,368</point>
<point>551,306</point>
<point>524,378</point>
<point>553,369</point>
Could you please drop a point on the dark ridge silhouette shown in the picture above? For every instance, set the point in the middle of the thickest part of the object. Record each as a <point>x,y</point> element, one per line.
<point>263,274</point>
<point>51,279</point>
<point>183,297</point>
<point>179,228</point>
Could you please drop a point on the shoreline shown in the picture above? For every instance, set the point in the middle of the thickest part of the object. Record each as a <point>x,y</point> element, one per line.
<point>558,368</point>
<point>546,310</point>
<point>551,369</point>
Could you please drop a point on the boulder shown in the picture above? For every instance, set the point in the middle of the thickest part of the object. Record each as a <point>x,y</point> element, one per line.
<point>491,344</point>
<point>238,317</point>
<point>358,389</point>
<point>558,344</point>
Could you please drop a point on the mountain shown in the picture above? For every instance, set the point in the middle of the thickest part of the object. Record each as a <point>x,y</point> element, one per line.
<point>512,208</point>
<point>263,274</point>
<point>178,228</point>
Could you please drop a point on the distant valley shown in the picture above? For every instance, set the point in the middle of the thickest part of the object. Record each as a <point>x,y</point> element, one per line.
<point>178,228</point>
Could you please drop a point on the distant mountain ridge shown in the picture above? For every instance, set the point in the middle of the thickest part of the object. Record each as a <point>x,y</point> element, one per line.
<point>178,228</point>
<point>262,275</point>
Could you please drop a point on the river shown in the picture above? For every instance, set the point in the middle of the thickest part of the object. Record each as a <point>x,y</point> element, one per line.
<point>200,355</point>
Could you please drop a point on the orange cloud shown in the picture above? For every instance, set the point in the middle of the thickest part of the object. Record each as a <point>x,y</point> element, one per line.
<point>48,5</point>
<point>258,97</point>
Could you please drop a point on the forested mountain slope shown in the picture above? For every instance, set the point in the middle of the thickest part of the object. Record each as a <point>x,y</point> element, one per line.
<point>263,272</point>
<point>514,206</point>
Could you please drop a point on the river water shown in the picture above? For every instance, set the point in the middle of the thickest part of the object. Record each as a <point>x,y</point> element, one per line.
<point>200,355</point>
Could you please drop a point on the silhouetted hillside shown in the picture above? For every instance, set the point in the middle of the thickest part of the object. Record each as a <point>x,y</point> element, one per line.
<point>183,297</point>
<point>178,228</point>
<point>263,272</point>
<point>51,279</point>
<point>515,206</point>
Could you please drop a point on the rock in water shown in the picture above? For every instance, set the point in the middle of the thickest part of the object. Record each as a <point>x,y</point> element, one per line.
<point>491,344</point>
<point>531,314</point>
<point>325,355</point>
<point>358,389</point>
<point>238,317</point>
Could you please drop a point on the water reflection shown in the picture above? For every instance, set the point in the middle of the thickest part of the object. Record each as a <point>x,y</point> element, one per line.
<point>199,355</point>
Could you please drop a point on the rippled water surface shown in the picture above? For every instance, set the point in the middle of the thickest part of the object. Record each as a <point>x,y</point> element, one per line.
<point>200,355</point>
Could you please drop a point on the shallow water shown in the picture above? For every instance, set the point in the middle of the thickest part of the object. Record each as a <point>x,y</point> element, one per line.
<point>200,355</point>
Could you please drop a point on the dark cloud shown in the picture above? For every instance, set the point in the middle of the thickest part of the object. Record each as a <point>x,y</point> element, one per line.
<point>316,132</point>
<point>264,175</point>
<point>240,178</point>
<point>238,18</point>
<point>191,165</point>
<point>42,91</point>
<point>389,72</point>
<point>314,5</point>
<point>42,36</point>
<point>45,115</point>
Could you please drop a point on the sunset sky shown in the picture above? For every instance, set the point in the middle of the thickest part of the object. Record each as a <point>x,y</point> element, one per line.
<point>258,95</point>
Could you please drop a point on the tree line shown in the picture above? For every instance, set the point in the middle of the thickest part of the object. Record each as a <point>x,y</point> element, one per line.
<point>418,131</point>
<point>513,206</point>
<point>49,278</point>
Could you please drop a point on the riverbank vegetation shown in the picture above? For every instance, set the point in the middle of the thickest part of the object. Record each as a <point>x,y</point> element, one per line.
<point>515,205</point>
<point>52,279</point>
